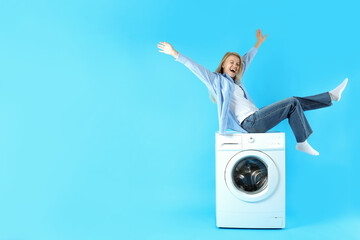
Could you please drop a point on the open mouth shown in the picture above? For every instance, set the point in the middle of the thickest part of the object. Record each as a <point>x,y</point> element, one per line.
<point>232,70</point>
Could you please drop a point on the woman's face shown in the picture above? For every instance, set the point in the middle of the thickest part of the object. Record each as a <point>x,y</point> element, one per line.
<point>231,66</point>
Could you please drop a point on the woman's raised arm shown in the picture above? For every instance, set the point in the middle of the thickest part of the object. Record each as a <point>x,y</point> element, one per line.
<point>209,78</point>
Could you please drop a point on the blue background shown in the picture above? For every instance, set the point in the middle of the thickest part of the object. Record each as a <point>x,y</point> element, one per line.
<point>103,137</point>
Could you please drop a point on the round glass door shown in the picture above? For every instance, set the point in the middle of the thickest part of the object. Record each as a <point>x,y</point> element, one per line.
<point>250,175</point>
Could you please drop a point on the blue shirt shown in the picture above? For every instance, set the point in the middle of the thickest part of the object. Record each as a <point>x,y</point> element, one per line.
<point>221,86</point>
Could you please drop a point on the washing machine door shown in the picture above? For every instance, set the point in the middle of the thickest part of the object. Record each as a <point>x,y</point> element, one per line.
<point>251,176</point>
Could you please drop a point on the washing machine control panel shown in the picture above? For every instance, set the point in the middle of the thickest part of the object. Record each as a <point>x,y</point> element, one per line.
<point>250,141</point>
<point>254,141</point>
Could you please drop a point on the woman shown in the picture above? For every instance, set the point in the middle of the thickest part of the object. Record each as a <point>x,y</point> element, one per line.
<point>237,111</point>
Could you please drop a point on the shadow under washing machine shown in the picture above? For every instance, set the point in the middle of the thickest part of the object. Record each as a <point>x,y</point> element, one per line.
<point>250,180</point>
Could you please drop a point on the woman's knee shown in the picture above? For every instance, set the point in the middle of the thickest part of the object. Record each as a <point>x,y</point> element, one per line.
<point>294,101</point>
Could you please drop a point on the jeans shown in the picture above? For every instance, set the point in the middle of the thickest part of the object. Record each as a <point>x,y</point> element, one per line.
<point>292,108</point>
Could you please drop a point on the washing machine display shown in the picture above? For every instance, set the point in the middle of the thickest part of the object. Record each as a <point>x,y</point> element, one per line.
<point>250,175</point>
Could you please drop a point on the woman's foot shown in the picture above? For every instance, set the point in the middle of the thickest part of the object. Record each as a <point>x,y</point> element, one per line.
<point>305,147</point>
<point>336,93</point>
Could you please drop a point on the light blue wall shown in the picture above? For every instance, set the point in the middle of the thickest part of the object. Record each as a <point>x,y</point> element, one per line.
<point>103,137</point>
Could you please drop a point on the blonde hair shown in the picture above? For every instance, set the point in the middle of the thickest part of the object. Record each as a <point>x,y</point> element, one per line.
<point>221,70</point>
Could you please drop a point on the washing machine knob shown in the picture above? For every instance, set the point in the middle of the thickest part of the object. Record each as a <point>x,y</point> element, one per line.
<point>251,139</point>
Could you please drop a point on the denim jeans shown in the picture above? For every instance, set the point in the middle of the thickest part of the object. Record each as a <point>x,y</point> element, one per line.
<point>292,108</point>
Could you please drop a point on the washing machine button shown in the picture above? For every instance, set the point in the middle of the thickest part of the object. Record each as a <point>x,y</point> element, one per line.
<point>251,139</point>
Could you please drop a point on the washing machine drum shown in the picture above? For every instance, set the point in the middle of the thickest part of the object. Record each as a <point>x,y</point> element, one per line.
<point>251,175</point>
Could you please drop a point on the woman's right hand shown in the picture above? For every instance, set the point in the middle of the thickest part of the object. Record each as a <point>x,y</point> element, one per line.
<point>167,49</point>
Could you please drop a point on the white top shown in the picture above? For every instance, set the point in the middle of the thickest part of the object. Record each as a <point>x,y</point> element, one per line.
<point>240,106</point>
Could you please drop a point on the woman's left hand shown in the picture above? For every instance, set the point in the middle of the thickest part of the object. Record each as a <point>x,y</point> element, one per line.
<point>260,37</point>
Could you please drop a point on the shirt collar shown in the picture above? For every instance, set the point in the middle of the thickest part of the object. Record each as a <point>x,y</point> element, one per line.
<point>228,76</point>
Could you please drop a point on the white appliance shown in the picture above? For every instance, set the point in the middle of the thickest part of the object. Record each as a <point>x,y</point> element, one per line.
<point>250,180</point>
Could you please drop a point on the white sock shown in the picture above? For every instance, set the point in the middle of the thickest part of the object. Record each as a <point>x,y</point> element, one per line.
<point>305,147</point>
<point>336,93</point>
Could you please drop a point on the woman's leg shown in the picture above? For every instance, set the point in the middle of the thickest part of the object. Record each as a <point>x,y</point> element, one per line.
<point>292,108</point>
<point>314,102</point>
<point>268,117</point>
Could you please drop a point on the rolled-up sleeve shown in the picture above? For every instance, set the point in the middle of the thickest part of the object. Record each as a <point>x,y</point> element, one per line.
<point>206,76</point>
<point>247,59</point>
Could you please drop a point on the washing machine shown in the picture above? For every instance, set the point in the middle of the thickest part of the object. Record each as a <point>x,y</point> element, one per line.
<point>250,180</point>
